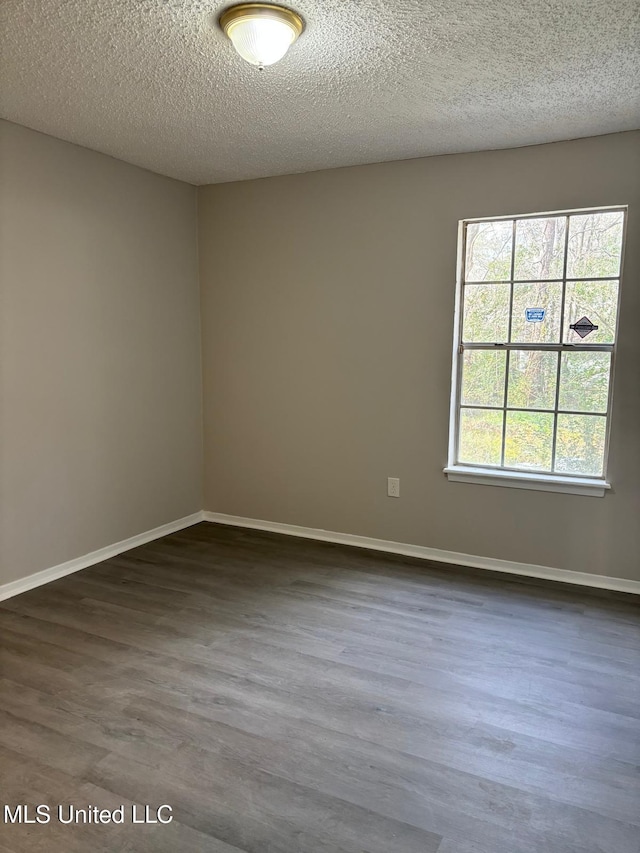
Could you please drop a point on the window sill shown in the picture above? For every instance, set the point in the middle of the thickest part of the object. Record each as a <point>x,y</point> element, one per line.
<point>524,480</point>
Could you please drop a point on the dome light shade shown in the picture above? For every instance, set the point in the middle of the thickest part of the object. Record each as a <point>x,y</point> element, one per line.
<point>261,32</point>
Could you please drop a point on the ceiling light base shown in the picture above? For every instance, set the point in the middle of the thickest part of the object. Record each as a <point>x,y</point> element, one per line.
<point>261,32</point>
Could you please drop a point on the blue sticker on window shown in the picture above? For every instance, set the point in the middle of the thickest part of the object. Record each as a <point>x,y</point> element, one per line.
<point>535,315</point>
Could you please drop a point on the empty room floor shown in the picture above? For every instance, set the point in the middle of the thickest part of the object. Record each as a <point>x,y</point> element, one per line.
<point>289,696</point>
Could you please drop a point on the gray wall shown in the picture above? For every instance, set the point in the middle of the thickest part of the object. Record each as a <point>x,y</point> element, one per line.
<point>327,312</point>
<point>100,387</point>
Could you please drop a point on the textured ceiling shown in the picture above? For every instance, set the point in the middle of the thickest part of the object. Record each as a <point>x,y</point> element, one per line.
<point>154,82</point>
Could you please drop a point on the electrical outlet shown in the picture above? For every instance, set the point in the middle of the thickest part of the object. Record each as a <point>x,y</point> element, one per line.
<point>393,487</point>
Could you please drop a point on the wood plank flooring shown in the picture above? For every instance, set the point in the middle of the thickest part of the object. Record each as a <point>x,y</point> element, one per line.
<point>288,696</point>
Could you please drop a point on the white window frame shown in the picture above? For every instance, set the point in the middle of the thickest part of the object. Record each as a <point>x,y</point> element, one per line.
<point>575,484</point>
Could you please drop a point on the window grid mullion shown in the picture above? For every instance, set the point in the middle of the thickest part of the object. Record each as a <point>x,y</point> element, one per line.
<point>508,356</point>
<point>534,411</point>
<point>504,410</point>
<point>544,280</point>
<point>496,347</point>
<point>555,411</point>
<point>559,365</point>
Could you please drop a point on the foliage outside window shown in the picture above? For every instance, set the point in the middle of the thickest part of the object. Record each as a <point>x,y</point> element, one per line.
<point>536,339</point>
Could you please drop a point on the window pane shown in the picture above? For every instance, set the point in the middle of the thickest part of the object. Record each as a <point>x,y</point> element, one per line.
<point>584,381</point>
<point>595,244</point>
<point>480,437</point>
<point>598,302</point>
<point>536,313</point>
<point>528,441</point>
<point>483,378</point>
<point>580,444</point>
<point>532,379</point>
<point>489,251</point>
<point>540,248</point>
<point>486,313</point>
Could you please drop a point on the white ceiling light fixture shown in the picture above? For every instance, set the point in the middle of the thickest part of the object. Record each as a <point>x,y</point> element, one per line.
<point>261,32</point>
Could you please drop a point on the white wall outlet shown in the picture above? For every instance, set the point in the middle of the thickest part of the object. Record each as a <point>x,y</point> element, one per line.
<point>393,487</point>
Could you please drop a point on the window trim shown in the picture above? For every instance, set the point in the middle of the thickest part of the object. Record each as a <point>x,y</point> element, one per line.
<point>519,478</point>
<point>596,488</point>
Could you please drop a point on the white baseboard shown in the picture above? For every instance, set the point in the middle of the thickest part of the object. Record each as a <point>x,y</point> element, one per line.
<point>491,564</point>
<point>12,588</point>
<point>8,590</point>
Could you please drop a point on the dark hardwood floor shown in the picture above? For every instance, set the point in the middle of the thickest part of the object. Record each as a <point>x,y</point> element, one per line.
<point>287,696</point>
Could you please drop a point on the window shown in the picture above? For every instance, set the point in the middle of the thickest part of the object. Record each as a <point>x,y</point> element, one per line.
<point>537,311</point>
